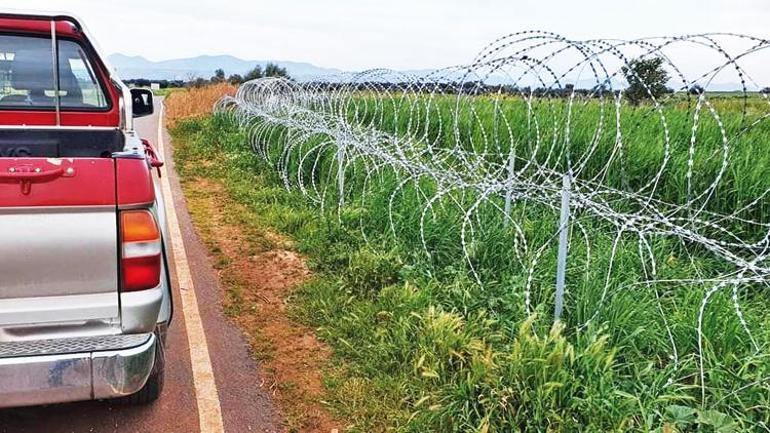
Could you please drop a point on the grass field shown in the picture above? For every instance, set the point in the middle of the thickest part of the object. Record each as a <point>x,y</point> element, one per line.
<point>425,347</point>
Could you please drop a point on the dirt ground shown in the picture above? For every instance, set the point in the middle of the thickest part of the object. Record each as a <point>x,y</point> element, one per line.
<point>257,271</point>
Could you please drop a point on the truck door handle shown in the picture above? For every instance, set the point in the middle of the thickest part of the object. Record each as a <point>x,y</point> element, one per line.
<point>26,176</point>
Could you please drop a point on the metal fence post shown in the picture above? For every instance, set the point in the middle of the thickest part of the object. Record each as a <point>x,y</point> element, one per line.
<point>341,174</point>
<point>561,261</point>
<point>507,208</point>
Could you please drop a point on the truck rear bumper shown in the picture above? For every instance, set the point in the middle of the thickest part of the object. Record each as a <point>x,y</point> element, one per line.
<point>58,371</point>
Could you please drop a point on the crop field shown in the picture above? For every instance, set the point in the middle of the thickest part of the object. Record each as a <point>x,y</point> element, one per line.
<point>433,214</point>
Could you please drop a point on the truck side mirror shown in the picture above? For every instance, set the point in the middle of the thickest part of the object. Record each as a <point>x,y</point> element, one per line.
<point>141,100</point>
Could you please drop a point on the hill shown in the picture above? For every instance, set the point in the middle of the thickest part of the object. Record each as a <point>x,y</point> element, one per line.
<point>130,67</point>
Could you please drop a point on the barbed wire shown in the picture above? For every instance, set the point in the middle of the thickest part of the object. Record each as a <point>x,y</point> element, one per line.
<point>501,133</point>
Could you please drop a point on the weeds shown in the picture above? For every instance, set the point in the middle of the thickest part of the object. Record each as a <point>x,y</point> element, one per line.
<point>426,348</point>
<point>194,102</point>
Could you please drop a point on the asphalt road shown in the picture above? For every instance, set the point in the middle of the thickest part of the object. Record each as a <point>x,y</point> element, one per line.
<point>245,404</point>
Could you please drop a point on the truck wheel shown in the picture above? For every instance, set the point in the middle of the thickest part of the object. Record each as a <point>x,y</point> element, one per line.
<point>154,386</point>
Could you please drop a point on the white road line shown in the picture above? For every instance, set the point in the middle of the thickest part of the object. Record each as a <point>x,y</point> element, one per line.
<point>206,395</point>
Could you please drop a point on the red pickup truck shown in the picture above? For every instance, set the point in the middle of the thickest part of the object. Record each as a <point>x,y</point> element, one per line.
<point>84,290</point>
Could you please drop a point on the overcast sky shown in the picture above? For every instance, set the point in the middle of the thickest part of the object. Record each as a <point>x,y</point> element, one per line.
<point>401,34</point>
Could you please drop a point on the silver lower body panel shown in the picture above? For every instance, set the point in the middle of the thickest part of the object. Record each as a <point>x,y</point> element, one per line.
<point>64,370</point>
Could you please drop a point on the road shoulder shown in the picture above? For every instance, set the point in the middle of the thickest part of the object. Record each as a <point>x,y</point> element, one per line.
<point>246,402</point>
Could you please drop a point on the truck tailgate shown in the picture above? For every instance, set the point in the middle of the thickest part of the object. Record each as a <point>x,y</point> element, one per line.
<point>58,240</point>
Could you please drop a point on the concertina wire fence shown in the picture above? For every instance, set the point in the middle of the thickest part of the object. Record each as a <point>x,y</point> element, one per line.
<point>565,141</point>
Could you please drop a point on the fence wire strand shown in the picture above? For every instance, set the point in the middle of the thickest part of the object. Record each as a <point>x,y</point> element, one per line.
<point>498,135</point>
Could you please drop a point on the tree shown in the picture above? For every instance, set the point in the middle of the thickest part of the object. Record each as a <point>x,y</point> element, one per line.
<point>646,79</point>
<point>254,74</point>
<point>219,76</point>
<point>235,79</point>
<point>141,82</point>
<point>567,90</point>
<point>696,89</point>
<point>198,82</point>
<point>273,70</point>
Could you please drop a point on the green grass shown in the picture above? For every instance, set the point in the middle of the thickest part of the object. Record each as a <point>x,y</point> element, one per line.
<point>167,91</point>
<point>643,138</point>
<point>422,347</point>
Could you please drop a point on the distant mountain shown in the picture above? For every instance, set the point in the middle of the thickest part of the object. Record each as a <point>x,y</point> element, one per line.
<point>204,66</point>
<point>129,67</point>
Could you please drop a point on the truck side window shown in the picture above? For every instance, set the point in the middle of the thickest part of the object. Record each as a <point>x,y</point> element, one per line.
<point>77,79</point>
<point>27,78</point>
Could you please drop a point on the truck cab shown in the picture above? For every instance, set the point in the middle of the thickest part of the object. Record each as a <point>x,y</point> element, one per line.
<point>85,295</point>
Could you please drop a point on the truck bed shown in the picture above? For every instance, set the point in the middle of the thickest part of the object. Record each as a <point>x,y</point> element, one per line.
<point>60,143</point>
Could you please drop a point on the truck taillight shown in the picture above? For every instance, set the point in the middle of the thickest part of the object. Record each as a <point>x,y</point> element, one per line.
<point>140,250</point>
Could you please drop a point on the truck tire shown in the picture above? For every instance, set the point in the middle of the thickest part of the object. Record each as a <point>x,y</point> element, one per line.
<point>154,386</point>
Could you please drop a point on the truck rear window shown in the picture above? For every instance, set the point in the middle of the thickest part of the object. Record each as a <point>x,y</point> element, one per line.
<point>27,78</point>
